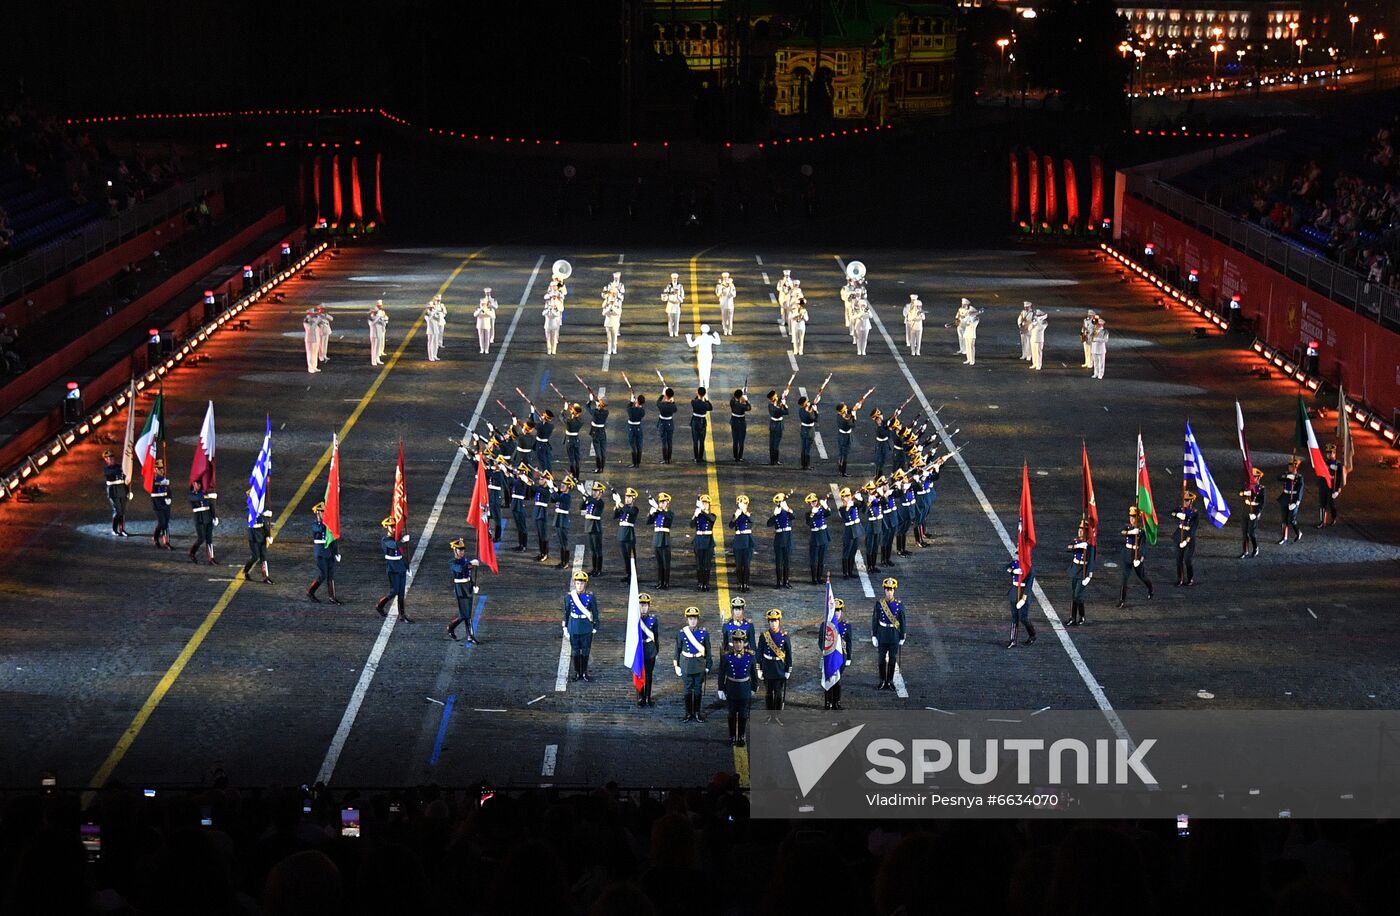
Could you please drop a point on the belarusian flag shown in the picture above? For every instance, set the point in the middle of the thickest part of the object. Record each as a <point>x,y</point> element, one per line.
<point>330,517</point>
<point>1144,496</point>
<point>1304,437</point>
<point>149,442</point>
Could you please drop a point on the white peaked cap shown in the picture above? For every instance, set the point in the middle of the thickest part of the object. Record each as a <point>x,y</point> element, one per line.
<point>617,273</point>
<point>704,329</point>
<point>724,273</point>
<point>967,302</point>
<point>786,272</point>
<point>675,276</point>
<point>1026,304</point>
<point>486,290</point>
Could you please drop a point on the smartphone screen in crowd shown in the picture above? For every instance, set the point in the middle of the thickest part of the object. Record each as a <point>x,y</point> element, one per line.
<point>91,836</point>
<point>350,822</point>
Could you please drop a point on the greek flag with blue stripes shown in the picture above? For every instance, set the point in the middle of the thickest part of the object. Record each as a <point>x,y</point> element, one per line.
<point>1193,466</point>
<point>257,485</point>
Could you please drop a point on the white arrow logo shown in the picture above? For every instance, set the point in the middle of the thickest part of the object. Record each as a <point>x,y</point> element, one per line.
<point>811,761</point>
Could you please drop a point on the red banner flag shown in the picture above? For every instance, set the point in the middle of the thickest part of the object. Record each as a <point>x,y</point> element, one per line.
<point>1071,195</point>
<point>1015,188</point>
<point>336,204</point>
<point>1091,505</point>
<point>1033,186</point>
<point>1025,533</point>
<point>1052,205</point>
<point>398,511</point>
<point>479,517</point>
<point>357,211</point>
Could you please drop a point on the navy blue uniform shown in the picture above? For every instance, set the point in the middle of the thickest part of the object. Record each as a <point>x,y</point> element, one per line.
<point>776,412</point>
<point>882,446</point>
<point>807,432</point>
<point>563,502</point>
<point>666,426</point>
<point>832,695</point>
<point>497,483</point>
<point>627,535</point>
<point>908,509</point>
<point>699,420</point>
<point>875,523</point>
<point>542,513</point>
<point>544,448</point>
<point>660,520</point>
<point>1188,519</point>
<point>730,628</point>
<point>204,510</point>
<point>1019,599</point>
<point>324,554</point>
<point>774,665</point>
<point>160,505</point>
<point>519,492</point>
<point>845,433</point>
<point>464,589</point>
<point>396,568</point>
<point>781,523</point>
<point>1289,499</point>
<point>573,426</point>
<point>889,525</point>
<point>593,526</point>
<point>118,494</point>
<point>888,633</point>
<point>636,415</point>
<point>818,538</point>
<point>743,548</point>
<point>1132,562</point>
<point>849,516</point>
<point>704,525</point>
<point>649,653</point>
<point>739,424</point>
<point>259,533</point>
<point>598,430</point>
<point>1253,508</point>
<point>736,673</point>
<point>926,496</point>
<point>580,623</point>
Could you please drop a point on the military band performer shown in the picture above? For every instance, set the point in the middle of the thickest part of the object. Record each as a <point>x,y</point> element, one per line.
<point>325,555</point>
<point>725,292</point>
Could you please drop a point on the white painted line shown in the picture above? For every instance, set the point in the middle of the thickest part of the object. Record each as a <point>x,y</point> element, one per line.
<point>357,697</point>
<point>900,689</point>
<point>561,679</point>
<point>431,700</point>
<point>766,283</point>
<point>1091,682</point>
<point>943,711</point>
<point>1310,611</point>
<point>865,585</point>
<point>1041,710</point>
<point>537,699</point>
<point>551,757</point>
<point>478,709</point>
<point>1011,721</point>
<point>817,439</point>
<point>620,259</point>
<point>792,360</point>
<point>759,260</point>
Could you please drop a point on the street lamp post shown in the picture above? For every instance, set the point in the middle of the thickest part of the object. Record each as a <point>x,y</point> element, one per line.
<point>1301,43</point>
<point>1353,19</point>
<point>1215,50</point>
<point>1002,44</point>
<point>1378,37</point>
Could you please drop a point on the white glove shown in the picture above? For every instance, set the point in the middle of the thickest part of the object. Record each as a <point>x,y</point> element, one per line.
<point>759,672</point>
<point>698,506</point>
<point>847,664</point>
<point>595,629</point>
<point>901,642</point>
<point>1336,493</point>
<point>564,627</point>
<point>775,509</point>
<point>216,521</point>
<point>720,694</point>
<point>269,540</point>
<point>1182,545</point>
<point>875,642</point>
<point>1020,604</point>
<point>1136,564</point>
<point>404,539</point>
<point>130,496</point>
<point>617,500</point>
<point>337,558</point>
<point>1292,507</point>
<point>678,669</point>
<point>476,563</point>
<point>650,502</point>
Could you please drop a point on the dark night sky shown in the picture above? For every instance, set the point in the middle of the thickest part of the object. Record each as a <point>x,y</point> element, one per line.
<point>512,66</point>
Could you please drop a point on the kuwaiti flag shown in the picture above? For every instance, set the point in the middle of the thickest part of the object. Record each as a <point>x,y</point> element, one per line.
<point>833,646</point>
<point>1304,437</point>
<point>257,484</point>
<point>1193,465</point>
<point>634,650</point>
<point>398,506</point>
<point>202,470</point>
<point>479,518</point>
<point>148,443</point>
<point>1025,528</point>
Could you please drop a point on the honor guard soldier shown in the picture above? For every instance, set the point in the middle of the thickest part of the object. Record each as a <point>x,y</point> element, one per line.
<point>725,293</point>
<point>573,425</point>
<point>703,521</point>
<point>845,432</point>
<point>435,320</point>
<point>1019,597</point>
<point>781,523</point>
<point>311,335</point>
<point>692,663</point>
<point>396,567</point>
<point>739,408</point>
<point>485,316</point>
<point>497,486</point>
<point>777,410</point>
<point>874,524</point>
<point>672,297</point>
<point>849,515</point>
<point>259,539</point>
<point>1253,496</point>
<point>660,519</point>
<point>553,313</point>
<point>464,589</point>
<point>544,433</point>
<point>1039,323</point>
<point>861,319</point>
<point>203,508</point>
<point>544,485</point>
<point>323,334</point>
<point>889,519</point>
<point>775,660</point>
<point>700,408</point>
<point>882,440</point>
<point>519,492</point>
<point>636,415</point>
<point>831,697</point>
<point>1081,570</point>
<point>1098,346</point>
<point>666,409</point>
<point>626,511</point>
<point>1023,327</point>
<point>736,671</point>
<point>818,537</point>
<point>899,446</point>
<point>580,623</point>
<point>598,430</point>
<point>160,505</point>
<point>887,632</point>
<point>908,505</point>
<point>1086,337</point>
<point>647,621</point>
<point>563,499</point>
<point>378,321</point>
<point>1187,521</point>
<point>807,415</point>
<point>524,440</point>
<point>924,477</point>
<point>612,320</point>
<point>1288,501</point>
<point>914,315</point>
<point>743,542</point>
<point>1131,561</point>
<point>325,556</point>
<point>118,491</point>
<point>737,622</point>
<point>593,526</point>
<point>1329,489</point>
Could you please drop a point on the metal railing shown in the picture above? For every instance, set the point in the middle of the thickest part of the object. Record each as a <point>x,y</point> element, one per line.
<point>56,258</point>
<point>1317,272</point>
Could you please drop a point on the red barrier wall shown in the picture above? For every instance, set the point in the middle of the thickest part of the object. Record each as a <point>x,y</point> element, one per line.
<point>36,303</point>
<point>1356,352</point>
<point>45,373</point>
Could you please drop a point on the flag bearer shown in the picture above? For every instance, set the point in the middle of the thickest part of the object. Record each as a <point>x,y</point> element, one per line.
<point>397,570</point>
<point>206,516</point>
<point>831,698</point>
<point>325,555</point>
<point>118,491</point>
<point>259,539</point>
<point>649,650</point>
<point>160,505</point>
<point>1188,520</point>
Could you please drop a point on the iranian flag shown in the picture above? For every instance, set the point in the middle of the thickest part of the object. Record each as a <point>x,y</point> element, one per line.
<point>202,470</point>
<point>149,442</point>
<point>331,516</point>
<point>1144,496</point>
<point>1304,437</point>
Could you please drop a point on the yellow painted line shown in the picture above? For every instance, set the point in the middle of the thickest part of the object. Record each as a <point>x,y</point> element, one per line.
<point>177,667</point>
<point>741,754</point>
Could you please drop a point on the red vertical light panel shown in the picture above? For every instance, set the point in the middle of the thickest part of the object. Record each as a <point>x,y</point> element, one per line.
<point>1071,195</point>
<point>1015,188</point>
<point>1052,206</point>
<point>1033,185</point>
<point>336,204</point>
<point>1095,190</point>
<point>379,187</point>
<point>357,211</point>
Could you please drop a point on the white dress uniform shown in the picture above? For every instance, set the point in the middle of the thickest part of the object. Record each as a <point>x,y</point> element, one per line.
<point>673,296</point>
<point>311,331</point>
<point>323,333</point>
<point>853,290</point>
<point>553,318</point>
<point>378,322</point>
<point>969,323</point>
<point>799,325</point>
<point>725,293</point>
<point>914,325</point>
<point>1023,325</point>
<point>612,317</point>
<point>795,298</point>
<point>784,287</point>
<point>704,347</point>
<point>1086,335</point>
<point>959,318</point>
<point>485,316</point>
<point>1039,321</point>
<point>1098,346</point>
<point>435,318</point>
<point>616,287</point>
<point>860,324</point>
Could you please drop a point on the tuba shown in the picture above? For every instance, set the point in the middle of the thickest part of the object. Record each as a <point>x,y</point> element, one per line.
<point>855,271</point>
<point>562,269</point>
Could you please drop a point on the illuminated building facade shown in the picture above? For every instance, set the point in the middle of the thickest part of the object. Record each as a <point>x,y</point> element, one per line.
<point>1187,21</point>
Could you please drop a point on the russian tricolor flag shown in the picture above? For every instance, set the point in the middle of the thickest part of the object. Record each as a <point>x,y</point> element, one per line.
<point>634,652</point>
